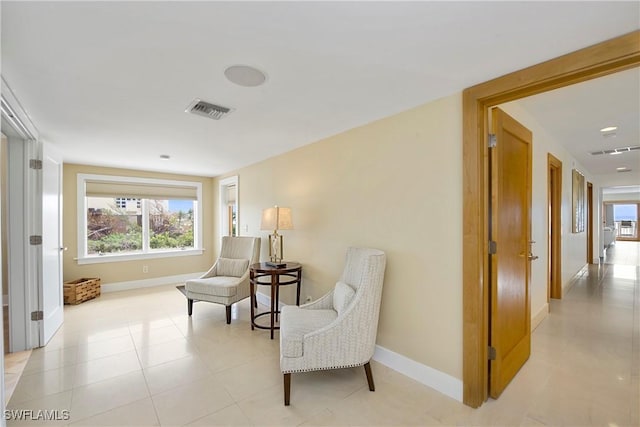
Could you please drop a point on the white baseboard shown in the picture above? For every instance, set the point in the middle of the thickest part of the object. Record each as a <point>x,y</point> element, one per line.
<point>266,300</point>
<point>437,380</point>
<point>148,283</point>
<point>540,316</point>
<point>567,286</point>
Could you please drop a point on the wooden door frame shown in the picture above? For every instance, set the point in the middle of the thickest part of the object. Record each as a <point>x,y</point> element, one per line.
<point>589,223</point>
<point>599,60</point>
<point>554,244</point>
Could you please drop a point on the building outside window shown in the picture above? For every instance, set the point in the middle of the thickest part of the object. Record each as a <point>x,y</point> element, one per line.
<point>137,218</point>
<point>128,203</point>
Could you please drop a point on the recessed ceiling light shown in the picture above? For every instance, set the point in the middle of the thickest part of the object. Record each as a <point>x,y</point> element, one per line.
<point>609,129</point>
<point>621,168</point>
<point>245,75</point>
<point>165,156</point>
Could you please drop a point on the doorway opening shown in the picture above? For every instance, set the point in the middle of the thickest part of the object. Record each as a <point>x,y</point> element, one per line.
<point>554,212</point>
<point>228,189</point>
<point>589,223</point>
<point>5,249</point>
<point>605,58</point>
<point>622,217</point>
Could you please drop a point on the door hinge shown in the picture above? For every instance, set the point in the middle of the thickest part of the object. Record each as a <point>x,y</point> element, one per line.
<point>35,164</point>
<point>37,315</point>
<point>491,353</point>
<point>492,140</point>
<point>493,247</point>
<point>35,240</point>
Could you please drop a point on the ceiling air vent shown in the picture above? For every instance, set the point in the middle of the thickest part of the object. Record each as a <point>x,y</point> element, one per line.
<point>615,150</point>
<point>206,109</point>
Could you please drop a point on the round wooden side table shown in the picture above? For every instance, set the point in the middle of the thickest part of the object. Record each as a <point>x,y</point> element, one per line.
<point>289,274</point>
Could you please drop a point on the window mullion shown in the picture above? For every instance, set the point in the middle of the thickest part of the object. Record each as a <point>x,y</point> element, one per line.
<point>145,225</point>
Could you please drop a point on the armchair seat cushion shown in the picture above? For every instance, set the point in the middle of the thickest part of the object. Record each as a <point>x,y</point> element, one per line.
<point>296,323</point>
<point>219,286</point>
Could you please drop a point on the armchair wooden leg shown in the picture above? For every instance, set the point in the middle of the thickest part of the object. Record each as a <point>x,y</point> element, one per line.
<point>367,369</point>
<point>228,307</point>
<point>287,389</point>
<point>189,306</point>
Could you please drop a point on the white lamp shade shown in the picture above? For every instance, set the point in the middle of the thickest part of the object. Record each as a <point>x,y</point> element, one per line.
<point>276,218</point>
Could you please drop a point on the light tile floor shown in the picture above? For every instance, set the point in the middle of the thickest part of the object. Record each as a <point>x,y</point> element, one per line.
<point>14,364</point>
<point>623,252</point>
<point>135,358</point>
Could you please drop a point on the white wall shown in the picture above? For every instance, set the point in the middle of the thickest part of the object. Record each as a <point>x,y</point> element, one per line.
<point>3,267</point>
<point>625,197</point>
<point>17,237</point>
<point>619,179</point>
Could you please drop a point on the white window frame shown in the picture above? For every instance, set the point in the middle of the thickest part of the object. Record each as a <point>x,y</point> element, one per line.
<point>146,253</point>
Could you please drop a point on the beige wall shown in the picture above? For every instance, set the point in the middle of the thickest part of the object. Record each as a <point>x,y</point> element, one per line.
<point>125,271</point>
<point>395,184</point>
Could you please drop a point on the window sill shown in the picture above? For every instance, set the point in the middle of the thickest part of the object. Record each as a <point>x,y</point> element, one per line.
<point>98,259</point>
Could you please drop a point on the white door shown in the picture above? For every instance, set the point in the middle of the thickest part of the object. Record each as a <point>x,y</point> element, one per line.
<point>50,290</point>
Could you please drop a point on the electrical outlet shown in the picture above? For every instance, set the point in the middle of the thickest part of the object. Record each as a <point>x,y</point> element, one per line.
<point>145,268</point>
<point>308,299</point>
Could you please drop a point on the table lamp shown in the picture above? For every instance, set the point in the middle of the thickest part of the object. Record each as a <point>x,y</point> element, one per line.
<point>276,218</point>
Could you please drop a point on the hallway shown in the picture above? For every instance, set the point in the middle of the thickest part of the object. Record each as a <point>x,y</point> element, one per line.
<point>585,358</point>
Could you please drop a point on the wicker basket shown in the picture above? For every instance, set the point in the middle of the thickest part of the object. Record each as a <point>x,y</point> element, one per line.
<point>81,290</point>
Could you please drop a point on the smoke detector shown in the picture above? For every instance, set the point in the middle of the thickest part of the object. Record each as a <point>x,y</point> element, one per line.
<point>207,109</point>
<point>245,75</point>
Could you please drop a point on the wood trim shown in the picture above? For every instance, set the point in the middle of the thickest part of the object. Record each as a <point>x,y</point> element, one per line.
<point>554,198</point>
<point>604,58</point>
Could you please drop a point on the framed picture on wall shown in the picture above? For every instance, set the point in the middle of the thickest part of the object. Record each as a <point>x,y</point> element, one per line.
<point>578,208</point>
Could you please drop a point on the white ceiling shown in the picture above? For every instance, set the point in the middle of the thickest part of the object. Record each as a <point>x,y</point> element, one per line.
<point>575,114</point>
<point>108,82</point>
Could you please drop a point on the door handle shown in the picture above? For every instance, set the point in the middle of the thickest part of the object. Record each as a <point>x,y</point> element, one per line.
<point>63,249</point>
<point>532,257</point>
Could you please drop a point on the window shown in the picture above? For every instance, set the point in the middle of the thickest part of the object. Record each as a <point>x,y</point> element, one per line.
<point>123,218</point>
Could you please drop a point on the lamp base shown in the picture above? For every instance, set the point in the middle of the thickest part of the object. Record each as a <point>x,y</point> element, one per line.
<point>276,264</point>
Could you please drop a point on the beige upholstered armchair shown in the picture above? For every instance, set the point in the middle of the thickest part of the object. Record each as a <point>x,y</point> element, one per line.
<point>227,282</point>
<point>339,329</point>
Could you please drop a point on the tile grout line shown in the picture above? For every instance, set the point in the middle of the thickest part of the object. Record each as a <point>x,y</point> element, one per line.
<point>146,382</point>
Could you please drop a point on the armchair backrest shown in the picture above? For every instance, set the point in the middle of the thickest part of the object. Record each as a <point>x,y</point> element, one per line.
<point>364,267</point>
<point>241,248</point>
<point>364,272</point>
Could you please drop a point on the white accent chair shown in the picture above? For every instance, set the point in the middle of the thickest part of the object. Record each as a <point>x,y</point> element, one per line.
<point>227,282</point>
<point>609,236</point>
<point>339,329</point>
